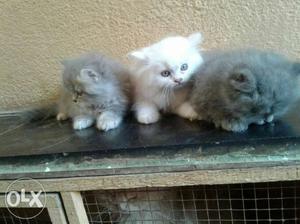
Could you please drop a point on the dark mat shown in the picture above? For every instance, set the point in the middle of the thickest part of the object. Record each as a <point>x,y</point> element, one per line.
<point>49,136</point>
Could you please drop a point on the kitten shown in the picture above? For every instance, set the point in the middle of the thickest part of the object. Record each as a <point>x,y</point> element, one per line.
<point>94,89</point>
<point>236,88</point>
<point>137,206</point>
<point>161,74</point>
<point>151,206</point>
<point>147,207</point>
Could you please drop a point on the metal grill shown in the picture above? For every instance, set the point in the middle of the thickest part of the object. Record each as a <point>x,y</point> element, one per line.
<point>277,202</point>
<point>7,218</point>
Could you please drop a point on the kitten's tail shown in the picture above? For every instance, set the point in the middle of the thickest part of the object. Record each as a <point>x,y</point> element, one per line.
<point>35,113</point>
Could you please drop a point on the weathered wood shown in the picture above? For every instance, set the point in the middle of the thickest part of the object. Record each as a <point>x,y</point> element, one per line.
<point>218,176</point>
<point>74,207</point>
<point>53,206</point>
<point>56,210</point>
<point>151,161</point>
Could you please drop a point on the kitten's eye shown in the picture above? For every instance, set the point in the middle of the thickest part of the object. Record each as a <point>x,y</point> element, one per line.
<point>184,67</point>
<point>78,91</point>
<point>254,110</point>
<point>165,73</point>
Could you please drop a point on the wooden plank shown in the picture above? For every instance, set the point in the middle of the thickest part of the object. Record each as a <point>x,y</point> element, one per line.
<point>74,208</point>
<point>218,176</point>
<point>57,216</point>
<point>149,161</point>
<point>56,210</point>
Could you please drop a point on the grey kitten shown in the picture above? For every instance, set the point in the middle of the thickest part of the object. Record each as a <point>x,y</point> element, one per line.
<point>151,206</point>
<point>94,89</point>
<point>137,207</point>
<point>236,88</point>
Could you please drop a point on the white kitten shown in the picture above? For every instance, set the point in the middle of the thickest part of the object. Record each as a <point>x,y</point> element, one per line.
<point>161,74</point>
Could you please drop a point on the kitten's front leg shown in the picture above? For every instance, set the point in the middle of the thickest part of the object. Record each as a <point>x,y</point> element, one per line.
<point>82,122</point>
<point>186,110</point>
<point>61,116</point>
<point>260,122</point>
<point>147,112</point>
<point>270,118</point>
<point>108,120</point>
<point>234,125</point>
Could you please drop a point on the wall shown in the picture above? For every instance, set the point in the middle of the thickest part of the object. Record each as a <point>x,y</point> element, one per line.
<point>36,34</point>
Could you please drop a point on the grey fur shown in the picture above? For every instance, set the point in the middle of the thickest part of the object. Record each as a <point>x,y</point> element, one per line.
<point>95,88</point>
<point>236,88</point>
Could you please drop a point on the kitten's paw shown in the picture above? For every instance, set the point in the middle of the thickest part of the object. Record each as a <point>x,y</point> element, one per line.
<point>260,122</point>
<point>147,116</point>
<point>108,120</point>
<point>234,126</point>
<point>270,118</point>
<point>186,110</point>
<point>82,122</point>
<point>61,116</point>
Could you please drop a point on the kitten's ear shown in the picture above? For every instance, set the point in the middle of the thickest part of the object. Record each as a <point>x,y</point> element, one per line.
<point>89,73</point>
<point>138,55</point>
<point>195,39</point>
<point>243,80</point>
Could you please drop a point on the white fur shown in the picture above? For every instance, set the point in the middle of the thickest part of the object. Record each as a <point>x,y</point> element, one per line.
<point>233,126</point>
<point>187,111</point>
<point>260,122</point>
<point>147,113</point>
<point>108,120</point>
<point>61,116</point>
<point>164,93</point>
<point>270,118</point>
<point>82,122</point>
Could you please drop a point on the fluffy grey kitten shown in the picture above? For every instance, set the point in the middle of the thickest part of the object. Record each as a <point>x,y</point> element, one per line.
<point>236,88</point>
<point>153,206</point>
<point>94,89</point>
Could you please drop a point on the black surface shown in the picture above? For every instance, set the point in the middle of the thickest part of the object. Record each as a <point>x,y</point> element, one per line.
<point>50,136</point>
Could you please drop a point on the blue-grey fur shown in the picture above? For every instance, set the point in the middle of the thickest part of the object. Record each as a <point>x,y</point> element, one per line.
<point>236,88</point>
<point>103,88</point>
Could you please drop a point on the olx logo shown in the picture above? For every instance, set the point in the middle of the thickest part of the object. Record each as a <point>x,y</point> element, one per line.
<point>25,197</point>
<point>32,200</point>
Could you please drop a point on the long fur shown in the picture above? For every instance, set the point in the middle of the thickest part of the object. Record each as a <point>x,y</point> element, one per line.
<point>155,206</point>
<point>95,88</point>
<point>234,89</point>
<point>154,92</point>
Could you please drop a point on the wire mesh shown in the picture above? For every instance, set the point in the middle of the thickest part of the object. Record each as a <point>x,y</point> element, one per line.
<point>7,218</point>
<point>276,202</point>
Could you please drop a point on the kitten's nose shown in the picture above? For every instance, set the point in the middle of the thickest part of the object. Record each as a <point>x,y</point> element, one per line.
<point>75,97</point>
<point>178,81</point>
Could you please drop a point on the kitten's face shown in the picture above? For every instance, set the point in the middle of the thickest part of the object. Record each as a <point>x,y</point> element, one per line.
<point>86,83</point>
<point>248,97</point>
<point>170,62</point>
